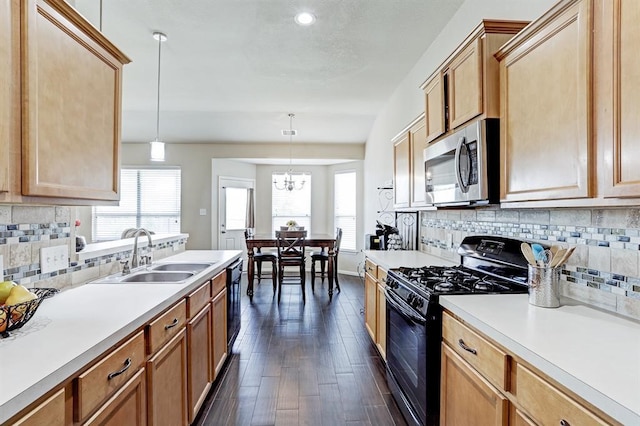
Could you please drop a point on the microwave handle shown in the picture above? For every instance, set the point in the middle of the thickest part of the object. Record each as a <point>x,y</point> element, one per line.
<point>461,184</point>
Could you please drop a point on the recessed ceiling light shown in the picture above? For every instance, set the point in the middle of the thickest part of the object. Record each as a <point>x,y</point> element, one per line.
<point>305,18</point>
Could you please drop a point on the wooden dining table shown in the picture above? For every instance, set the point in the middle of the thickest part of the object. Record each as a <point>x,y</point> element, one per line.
<point>260,241</point>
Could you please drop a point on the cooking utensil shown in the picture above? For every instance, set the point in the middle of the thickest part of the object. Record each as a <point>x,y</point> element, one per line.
<point>558,257</point>
<point>566,256</point>
<point>537,251</point>
<point>554,249</point>
<point>528,253</point>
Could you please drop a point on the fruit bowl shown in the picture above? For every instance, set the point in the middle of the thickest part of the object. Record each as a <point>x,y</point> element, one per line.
<point>15,316</point>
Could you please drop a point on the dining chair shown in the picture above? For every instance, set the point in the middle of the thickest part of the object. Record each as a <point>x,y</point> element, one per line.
<point>260,257</point>
<point>322,256</point>
<point>291,247</point>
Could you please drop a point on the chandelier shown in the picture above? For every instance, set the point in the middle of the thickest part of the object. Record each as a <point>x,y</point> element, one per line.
<point>289,182</point>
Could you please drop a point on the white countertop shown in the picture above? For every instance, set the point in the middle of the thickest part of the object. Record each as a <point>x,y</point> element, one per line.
<point>75,326</point>
<point>593,353</point>
<point>410,258</point>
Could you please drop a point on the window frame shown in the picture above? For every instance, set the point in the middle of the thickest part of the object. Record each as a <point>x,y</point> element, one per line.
<point>353,249</point>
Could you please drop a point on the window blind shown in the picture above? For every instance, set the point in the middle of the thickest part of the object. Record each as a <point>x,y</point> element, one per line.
<point>149,198</point>
<point>345,208</point>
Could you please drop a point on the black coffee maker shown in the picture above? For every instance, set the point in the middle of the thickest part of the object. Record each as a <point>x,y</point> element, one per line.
<point>382,234</point>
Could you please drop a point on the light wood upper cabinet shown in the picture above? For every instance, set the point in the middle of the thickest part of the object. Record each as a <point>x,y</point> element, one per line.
<point>71,80</point>
<point>418,142</point>
<point>9,99</point>
<point>401,171</point>
<point>546,139</point>
<point>617,96</point>
<point>408,168</point>
<point>434,96</point>
<point>466,85</point>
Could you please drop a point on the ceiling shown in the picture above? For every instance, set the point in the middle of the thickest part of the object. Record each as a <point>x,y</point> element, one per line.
<point>231,70</point>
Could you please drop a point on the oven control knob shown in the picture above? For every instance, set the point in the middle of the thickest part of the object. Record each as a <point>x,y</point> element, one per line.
<point>410,298</point>
<point>419,303</point>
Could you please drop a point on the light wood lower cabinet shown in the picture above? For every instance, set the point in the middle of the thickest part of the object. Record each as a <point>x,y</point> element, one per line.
<point>51,412</point>
<point>127,407</point>
<point>200,360</point>
<point>370,307</point>
<point>467,398</point>
<point>381,313</point>
<point>167,384</point>
<point>219,321</point>
<point>95,385</point>
<point>482,383</point>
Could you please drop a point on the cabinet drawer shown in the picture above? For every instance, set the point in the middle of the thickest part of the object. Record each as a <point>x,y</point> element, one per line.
<point>198,299</point>
<point>547,405</point>
<point>166,326</point>
<point>104,378</point>
<point>50,413</point>
<point>218,283</point>
<point>490,361</point>
<point>382,276</point>
<point>371,268</point>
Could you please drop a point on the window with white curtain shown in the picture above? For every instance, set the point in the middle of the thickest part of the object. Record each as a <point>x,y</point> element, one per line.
<point>149,198</point>
<point>291,205</point>
<point>344,215</point>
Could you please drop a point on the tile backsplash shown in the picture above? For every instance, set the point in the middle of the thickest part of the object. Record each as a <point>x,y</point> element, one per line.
<point>604,270</point>
<point>24,230</point>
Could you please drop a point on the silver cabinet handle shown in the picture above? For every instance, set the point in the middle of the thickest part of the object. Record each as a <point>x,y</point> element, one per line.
<point>173,324</point>
<point>466,348</point>
<point>127,364</point>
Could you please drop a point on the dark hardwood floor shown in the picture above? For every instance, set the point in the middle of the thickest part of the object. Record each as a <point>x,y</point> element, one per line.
<point>295,364</point>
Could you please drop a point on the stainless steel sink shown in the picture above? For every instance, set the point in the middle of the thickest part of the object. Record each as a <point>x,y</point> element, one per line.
<point>193,267</point>
<point>157,277</point>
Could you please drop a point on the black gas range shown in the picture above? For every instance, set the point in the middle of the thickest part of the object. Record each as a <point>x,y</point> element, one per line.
<point>489,265</point>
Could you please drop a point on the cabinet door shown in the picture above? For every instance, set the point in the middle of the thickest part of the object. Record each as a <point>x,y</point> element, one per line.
<point>435,117</point>
<point>200,363</point>
<point>418,140</point>
<point>219,341</point>
<point>9,98</point>
<point>167,384</point>
<point>71,106</point>
<point>401,172</point>
<point>370,306</point>
<point>50,413</point>
<point>546,141</point>
<point>381,320</point>
<point>466,398</point>
<point>548,405</point>
<point>465,85</point>
<point>617,68</point>
<point>126,408</point>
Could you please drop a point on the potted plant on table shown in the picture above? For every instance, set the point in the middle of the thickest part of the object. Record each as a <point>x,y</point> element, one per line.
<point>292,225</point>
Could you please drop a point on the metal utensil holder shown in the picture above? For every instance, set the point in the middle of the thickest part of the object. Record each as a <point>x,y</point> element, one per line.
<point>544,286</point>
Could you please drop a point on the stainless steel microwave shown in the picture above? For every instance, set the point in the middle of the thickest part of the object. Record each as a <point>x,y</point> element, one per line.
<point>463,168</point>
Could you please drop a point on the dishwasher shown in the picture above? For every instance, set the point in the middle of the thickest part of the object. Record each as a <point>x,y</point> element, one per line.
<point>234,273</point>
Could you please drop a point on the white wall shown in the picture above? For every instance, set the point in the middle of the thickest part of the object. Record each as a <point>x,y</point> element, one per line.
<point>407,101</point>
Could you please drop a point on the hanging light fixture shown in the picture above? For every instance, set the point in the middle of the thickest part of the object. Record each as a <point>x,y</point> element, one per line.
<point>157,147</point>
<point>289,183</point>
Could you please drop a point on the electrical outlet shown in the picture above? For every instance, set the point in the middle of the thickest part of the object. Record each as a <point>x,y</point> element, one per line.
<point>203,212</point>
<point>449,240</point>
<point>54,258</point>
<point>2,267</point>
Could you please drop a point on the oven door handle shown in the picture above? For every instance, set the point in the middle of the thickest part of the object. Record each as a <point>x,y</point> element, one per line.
<point>399,306</point>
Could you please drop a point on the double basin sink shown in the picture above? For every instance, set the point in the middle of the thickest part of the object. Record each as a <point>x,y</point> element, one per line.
<point>168,273</point>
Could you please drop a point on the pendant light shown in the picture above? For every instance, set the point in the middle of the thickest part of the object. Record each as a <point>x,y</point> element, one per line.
<point>289,183</point>
<point>157,147</point>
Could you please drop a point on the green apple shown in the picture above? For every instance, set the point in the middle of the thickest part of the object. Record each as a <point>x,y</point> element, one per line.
<point>5,289</point>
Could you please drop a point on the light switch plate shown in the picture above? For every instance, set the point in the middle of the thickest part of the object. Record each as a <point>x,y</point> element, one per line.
<point>54,258</point>
<point>203,212</point>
